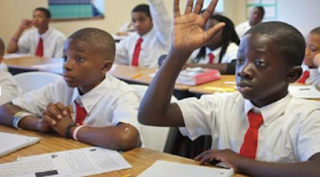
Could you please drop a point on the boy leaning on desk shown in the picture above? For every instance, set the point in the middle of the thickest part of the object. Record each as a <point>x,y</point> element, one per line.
<point>89,105</point>
<point>261,130</point>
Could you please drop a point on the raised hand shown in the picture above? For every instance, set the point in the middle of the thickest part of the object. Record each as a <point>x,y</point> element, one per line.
<point>188,32</point>
<point>25,24</point>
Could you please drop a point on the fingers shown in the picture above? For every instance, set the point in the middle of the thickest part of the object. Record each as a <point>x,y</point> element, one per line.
<point>203,154</point>
<point>214,30</point>
<point>176,8</point>
<point>47,118</point>
<point>70,110</point>
<point>210,9</point>
<point>62,108</point>
<point>54,111</point>
<point>198,7</point>
<point>189,7</point>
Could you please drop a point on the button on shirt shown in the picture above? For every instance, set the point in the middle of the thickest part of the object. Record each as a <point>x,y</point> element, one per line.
<point>231,54</point>
<point>53,41</point>
<point>155,43</point>
<point>9,87</point>
<point>109,103</point>
<point>290,131</point>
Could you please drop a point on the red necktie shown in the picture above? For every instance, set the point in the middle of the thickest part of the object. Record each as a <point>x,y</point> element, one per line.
<point>211,58</point>
<point>80,113</point>
<point>304,77</point>
<point>250,143</point>
<point>135,59</point>
<point>39,51</point>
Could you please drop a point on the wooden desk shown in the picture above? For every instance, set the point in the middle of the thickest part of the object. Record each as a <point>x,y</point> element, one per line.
<point>28,62</point>
<point>225,83</point>
<point>139,158</point>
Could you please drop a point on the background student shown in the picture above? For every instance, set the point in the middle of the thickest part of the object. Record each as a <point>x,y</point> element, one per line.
<point>256,16</point>
<point>105,109</point>
<point>152,38</point>
<point>9,88</point>
<point>311,74</point>
<point>42,41</point>
<point>259,131</point>
<point>220,52</point>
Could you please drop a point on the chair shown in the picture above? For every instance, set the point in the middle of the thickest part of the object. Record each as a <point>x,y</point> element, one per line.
<point>153,137</point>
<point>29,81</point>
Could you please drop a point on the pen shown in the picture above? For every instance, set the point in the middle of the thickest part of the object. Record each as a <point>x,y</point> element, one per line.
<point>304,89</point>
<point>136,76</point>
<point>127,175</point>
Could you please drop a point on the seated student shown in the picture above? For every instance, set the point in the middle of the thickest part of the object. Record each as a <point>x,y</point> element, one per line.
<point>9,88</point>
<point>42,41</point>
<point>106,106</point>
<point>311,74</point>
<point>283,136</point>
<point>220,52</point>
<point>256,16</point>
<point>152,38</point>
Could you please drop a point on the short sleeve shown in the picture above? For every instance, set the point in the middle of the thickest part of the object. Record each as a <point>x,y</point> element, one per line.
<point>9,88</point>
<point>24,43</point>
<point>122,53</point>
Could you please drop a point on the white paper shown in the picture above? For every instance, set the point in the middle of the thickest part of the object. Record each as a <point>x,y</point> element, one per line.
<point>80,162</point>
<point>48,66</point>
<point>16,55</point>
<point>304,91</point>
<point>169,169</point>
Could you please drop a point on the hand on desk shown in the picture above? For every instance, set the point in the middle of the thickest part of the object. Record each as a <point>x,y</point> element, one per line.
<point>226,156</point>
<point>58,116</point>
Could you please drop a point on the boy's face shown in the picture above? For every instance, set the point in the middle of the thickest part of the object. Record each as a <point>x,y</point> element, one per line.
<point>84,67</point>
<point>141,22</point>
<point>255,16</point>
<point>312,49</point>
<point>40,20</point>
<point>261,73</point>
<point>214,42</point>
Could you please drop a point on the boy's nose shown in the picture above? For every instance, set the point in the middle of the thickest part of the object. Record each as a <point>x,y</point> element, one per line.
<point>307,52</point>
<point>245,72</point>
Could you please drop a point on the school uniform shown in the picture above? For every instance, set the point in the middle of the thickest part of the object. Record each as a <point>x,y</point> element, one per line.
<point>231,54</point>
<point>289,133</point>
<point>154,44</point>
<point>109,103</point>
<point>314,76</point>
<point>53,41</point>
<point>243,28</point>
<point>9,87</point>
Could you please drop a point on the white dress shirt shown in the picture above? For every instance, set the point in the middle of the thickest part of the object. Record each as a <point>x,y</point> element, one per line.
<point>231,54</point>
<point>53,41</point>
<point>314,77</point>
<point>290,131</point>
<point>242,28</point>
<point>9,87</point>
<point>109,103</point>
<point>155,43</point>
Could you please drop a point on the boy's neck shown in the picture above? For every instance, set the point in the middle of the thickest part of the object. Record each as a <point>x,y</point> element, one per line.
<point>43,30</point>
<point>269,99</point>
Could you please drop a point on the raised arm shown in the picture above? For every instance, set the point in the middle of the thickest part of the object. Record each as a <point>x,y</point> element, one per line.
<point>13,44</point>
<point>188,35</point>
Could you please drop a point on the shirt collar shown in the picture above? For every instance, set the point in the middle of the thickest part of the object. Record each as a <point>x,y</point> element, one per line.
<point>269,112</point>
<point>46,34</point>
<point>215,52</point>
<point>90,99</point>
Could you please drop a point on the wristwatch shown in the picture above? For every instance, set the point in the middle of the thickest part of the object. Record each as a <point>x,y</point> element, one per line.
<point>18,116</point>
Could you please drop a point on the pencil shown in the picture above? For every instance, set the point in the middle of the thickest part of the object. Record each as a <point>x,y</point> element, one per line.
<point>136,76</point>
<point>127,175</point>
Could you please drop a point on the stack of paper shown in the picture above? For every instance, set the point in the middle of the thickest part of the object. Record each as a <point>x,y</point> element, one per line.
<point>304,91</point>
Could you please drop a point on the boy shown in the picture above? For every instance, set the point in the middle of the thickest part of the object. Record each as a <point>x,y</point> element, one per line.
<point>9,88</point>
<point>42,41</point>
<point>256,16</point>
<point>152,38</point>
<point>105,108</point>
<point>283,138</point>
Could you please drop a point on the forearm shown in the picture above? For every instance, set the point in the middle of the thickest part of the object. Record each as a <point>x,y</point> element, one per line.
<point>155,105</point>
<point>13,44</point>
<point>123,137</point>
<point>266,169</point>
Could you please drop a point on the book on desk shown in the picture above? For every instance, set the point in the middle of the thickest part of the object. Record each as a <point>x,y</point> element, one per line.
<point>196,76</point>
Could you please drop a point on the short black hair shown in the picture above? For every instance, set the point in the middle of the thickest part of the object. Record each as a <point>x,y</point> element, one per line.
<point>45,11</point>
<point>261,8</point>
<point>289,41</point>
<point>101,41</point>
<point>2,46</point>
<point>316,30</point>
<point>142,8</point>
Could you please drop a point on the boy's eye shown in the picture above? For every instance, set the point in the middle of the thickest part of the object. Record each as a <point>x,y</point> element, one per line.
<point>239,61</point>
<point>65,58</point>
<point>260,63</point>
<point>79,59</point>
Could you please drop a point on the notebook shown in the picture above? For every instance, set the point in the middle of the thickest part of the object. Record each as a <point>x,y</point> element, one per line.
<point>170,169</point>
<point>13,142</point>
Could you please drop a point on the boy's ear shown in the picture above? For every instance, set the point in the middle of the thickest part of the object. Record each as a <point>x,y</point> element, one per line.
<point>294,74</point>
<point>106,66</point>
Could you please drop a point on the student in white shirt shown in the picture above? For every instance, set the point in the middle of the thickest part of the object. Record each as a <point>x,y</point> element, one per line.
<point>311,74</point>
<point>256,16</point>
<point>283,138</point>
<point>89,105</point>
<point>153,30</point>
<point>9,88</point>
<point>42,41</point>
<point>220,52</point>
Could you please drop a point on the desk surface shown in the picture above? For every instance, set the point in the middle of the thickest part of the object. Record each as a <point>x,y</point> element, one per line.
<point>225,84</point>
<point>139,158</point>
